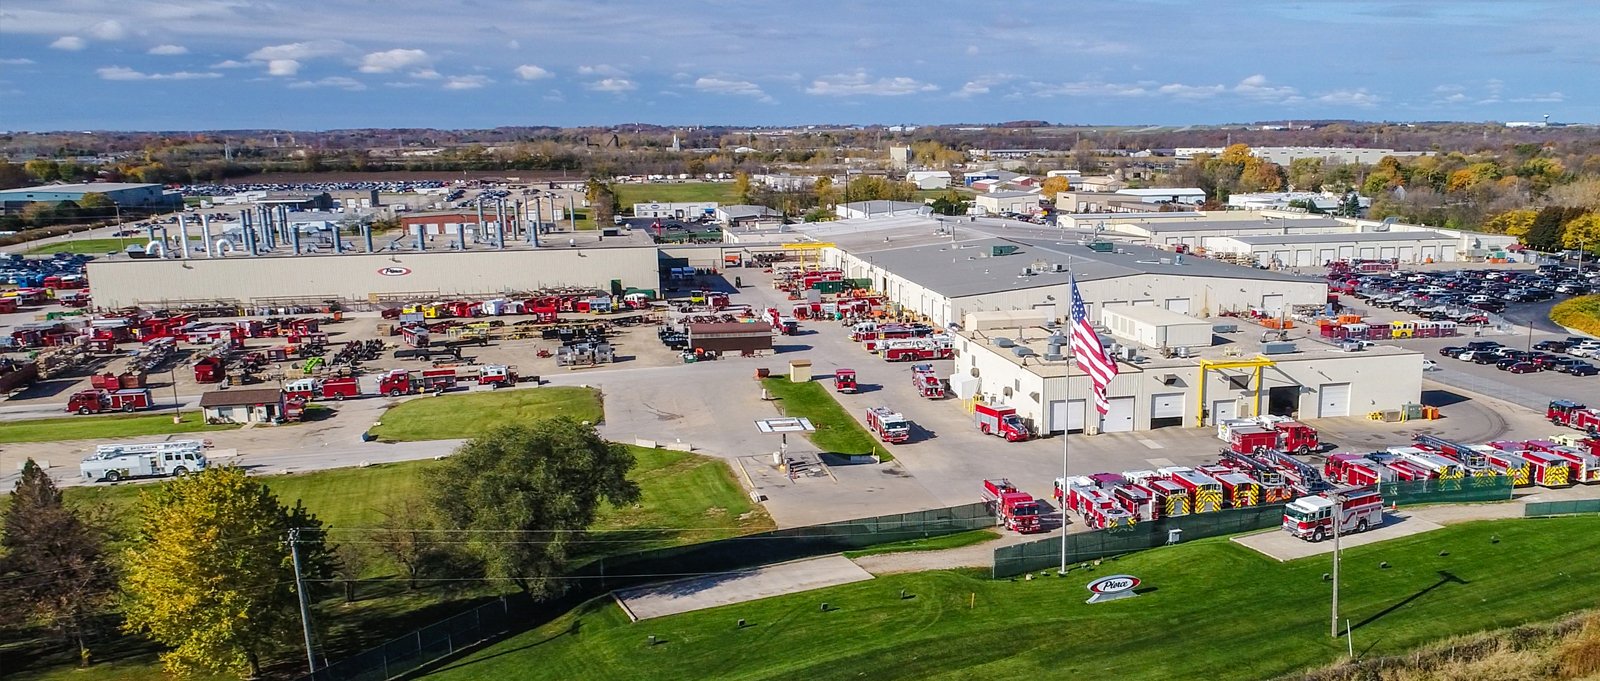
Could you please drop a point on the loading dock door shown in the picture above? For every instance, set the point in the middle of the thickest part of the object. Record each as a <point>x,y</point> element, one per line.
<point>1178,305</point>
<point>1369,253</point>
<point>1222,410</point>
<point>1272,304</point>
<point>1120,418</point>
<point>1333,399</point>
<point>1066,416</point>
<point>1302,257</point>
<point>1324,255</point>
<point>1166,409</point>
<point>1388,253</point>
<point>1430,253</point>
<point>1347,252</point>
<point>1408,253</point>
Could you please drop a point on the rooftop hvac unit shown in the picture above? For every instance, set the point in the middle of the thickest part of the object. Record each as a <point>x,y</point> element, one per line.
<point>1058,267</point>
<point>1102,247</point>
<point>1002,342</point>
<point>1181,351</point>
<point>1054,355</point>
<point>1277,348</point>
<point>1022,351</point>
<point>998,251</point>
<point>1129,353</point>
<point>1224,328</point>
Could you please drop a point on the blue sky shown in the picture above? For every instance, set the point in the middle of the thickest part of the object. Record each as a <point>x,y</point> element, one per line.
<point>211,64</point>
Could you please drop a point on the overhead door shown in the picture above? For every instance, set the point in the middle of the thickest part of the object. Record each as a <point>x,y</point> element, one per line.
<point>1347,252</point>
<point>1222,410</point>
<point>1302,257</point>
<point>1066,415</point>
<point>1272,304</point>
<point>1333,399</point>
<point>1369,253</point>
<point>1388,253</point>
<point>1281,257</point>
<point>1166,409</point>
<point>1120,418</point>
<point>1408,253</point>
<point>1179,305</point>
<point>1144,303</point>
<point>1430,253</point>
<point>1325,255</point>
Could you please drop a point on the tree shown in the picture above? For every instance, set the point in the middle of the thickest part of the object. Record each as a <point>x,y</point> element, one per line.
<point>741,187</point>
<point>13,175</point>
<point>1053,186</point>
<point>950,203</point>
<point>603,200</point>
<point>823,189</point>
<point>352,563</point>
<point>1084,158</point>
<point>1582,232</point>
<point>42,169</point>
<point>878,188</point>
<point>54,563</point>
<point>407,537</point>
<point>210,575</point>
<point>1545,234</point>
<point>523,493</point>
<point>1511,222</point>
<point>1350,206</point>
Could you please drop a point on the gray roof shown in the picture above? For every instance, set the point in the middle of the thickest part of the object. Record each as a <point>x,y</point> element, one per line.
<point>1269,239</point>
<point>81,187</point>
<point>879,206</point>
<point>1010,195</point>
<point>742,211</point>
<point>1219,225</point>
<point>963,268</point>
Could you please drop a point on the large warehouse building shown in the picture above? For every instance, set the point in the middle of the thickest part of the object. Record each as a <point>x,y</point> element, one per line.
<point>124,194</point>
<point>1315,250</point>
<point>945,269</point>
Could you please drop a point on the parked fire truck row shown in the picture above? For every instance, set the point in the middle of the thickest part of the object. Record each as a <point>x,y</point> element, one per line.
<point>1559,461</point>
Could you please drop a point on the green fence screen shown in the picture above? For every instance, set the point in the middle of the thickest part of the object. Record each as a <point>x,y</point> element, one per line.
<point>1441,491</point>
<point>1542,508</point>
<point>1014,560</point>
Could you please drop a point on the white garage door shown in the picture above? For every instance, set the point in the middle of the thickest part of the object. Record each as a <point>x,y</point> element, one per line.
<point>1282,257</point>
<point>1222,410</point>
<point>1388,253</point>
<point>1178,305</point>
<point>1068,413</point>
<point>1325,255</point>
<point>1408,253</point>
<point>1272,303</point>
<point>1333,399</point>
<point>1120,418</point>
<point>1302,257</point>
<point>1430,253</point>
<point>1166,406</point>
<point>1144,303</point>
<point>1347,252</point>
<point>1369,253</point>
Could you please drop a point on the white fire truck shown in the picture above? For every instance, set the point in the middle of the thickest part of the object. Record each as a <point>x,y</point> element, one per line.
<point>1311,518</point>
<point>153,459</point>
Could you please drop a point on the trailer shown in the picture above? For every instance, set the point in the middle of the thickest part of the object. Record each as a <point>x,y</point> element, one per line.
<point>926,382</point>
<point>844,381</point>
<point>96,400</point>
<point>156,459</point>
<point>1001,421</point>
<point>888,425</point>
<point>1013,510</point>
<point>1312,518</point>
<point>309,389</point>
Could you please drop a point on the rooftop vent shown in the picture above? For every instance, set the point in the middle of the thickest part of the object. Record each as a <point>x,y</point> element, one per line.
<point>1278,348</point>
<point>1002,342</point>
<point>1023,351</point>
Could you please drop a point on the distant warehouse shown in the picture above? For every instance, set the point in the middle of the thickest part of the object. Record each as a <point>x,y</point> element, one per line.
<point>123,194</point>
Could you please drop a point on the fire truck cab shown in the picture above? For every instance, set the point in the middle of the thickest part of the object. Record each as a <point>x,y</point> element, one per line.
<point>1312,518</point>
<point>889,426</point>
<point>844,381</point>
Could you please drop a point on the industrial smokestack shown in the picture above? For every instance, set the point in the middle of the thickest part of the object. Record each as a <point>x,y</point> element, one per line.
<point>205,233</point>
<point>366,235</point>
<point>572,216</point>
<point>479,234</point>
<point>183,237</point>
<point>461,231</point>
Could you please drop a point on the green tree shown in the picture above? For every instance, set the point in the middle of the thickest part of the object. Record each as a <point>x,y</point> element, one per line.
<point>603,200</point>
<point>54,565</point>
<point>741,187</point>
<point>1546,232</point>
<point>522,493</point>
<point>1582,232</point>
<point>210,575</point>
<point>406,536</point>
<point>950,203</point>
<point>876,187</point>
<point>13,175</point>
<point>825,194</point>
<point>42,169</point>
<point>1350,206</point>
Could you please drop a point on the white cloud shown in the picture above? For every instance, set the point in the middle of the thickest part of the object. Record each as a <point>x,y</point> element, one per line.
<point>859,83</point>
<point>616,85</point>
<point>341,82</point>
<point>168,50</point>
<point>554,96</point>
<point>600,70</point>
<point>125,73</point>
<point>70,43</point>
<point>230,64</point>
<point>466,82</point>
<point>402,84</point>
<point>1182,91</point>
<point>110,29</point>
<point>981,85</point>
<point>531,72</point>
<point>513,45</point>
<point>972,50</point>
<point>1541,98</point>
<point>724,86</point>
<point>1358,97</point>
<point>283,67</point>
<point>426,74</point>
<point>310,49</point>
<point>394,60</point>
<point>18,61</point>
<point>1256,87</point>
<point>1090,88</point>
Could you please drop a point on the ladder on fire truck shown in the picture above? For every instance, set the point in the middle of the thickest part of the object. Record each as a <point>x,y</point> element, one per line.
<point>1310,478</point>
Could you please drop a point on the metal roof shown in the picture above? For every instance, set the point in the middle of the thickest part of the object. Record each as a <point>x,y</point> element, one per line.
<point>237,397</point>
<point>1218,225</point>
<point>1296,239</point>
<point>88,187</point>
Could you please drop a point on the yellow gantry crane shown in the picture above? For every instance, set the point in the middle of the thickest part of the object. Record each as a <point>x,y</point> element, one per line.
<point>1258,364</point>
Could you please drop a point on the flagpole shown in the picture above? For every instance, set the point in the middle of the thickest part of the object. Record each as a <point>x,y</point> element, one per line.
<point>1066,440</point>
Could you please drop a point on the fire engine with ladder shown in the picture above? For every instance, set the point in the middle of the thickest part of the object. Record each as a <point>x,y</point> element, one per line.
<point>1312,518</point>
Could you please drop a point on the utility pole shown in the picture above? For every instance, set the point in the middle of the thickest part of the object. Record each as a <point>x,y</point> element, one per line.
<point>1338,508</point>
<point>300,590</point>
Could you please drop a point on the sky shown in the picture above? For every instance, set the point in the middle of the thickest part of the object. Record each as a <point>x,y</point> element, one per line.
<point>233,64</point>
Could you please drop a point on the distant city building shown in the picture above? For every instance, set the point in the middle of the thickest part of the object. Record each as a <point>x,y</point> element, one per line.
<point>981,154</point>
<point>929,179</point>
<point>879,209</point>
<point>899,158</point>
<point>123,194</point>
<point>1285,155</point>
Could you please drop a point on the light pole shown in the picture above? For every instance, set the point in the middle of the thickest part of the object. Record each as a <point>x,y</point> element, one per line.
<point>177,410</point>
<point>1338,508</point>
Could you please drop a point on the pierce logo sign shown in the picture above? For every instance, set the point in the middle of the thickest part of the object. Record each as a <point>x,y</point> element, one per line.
<point>394,271</point>
<point>1112,588</point>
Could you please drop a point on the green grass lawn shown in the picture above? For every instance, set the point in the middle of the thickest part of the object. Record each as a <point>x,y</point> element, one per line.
<point>91,427</point>
<point>836,431</point>
<point>683,192</point>
<point>1211,609</point>
<point>86,246</point>
<point>696,496</point>
<point>949,541</point>
<point>461,416</point>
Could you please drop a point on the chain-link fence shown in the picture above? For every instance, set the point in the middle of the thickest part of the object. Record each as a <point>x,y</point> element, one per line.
<point>1543,508</point>
<point>1468,488</point>
<point>408,653</point>
<point>1046,553</point>
<point>429,644</point>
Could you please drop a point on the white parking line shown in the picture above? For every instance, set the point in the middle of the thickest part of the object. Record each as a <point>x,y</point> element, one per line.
<point>1151,444</point>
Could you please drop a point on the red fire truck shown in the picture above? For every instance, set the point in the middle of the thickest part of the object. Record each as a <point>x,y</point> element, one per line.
<point>1585,466</point>
<point>917,349</point>
<point>1312,518</point>
<point>1573,415</point>
<point>844,381</point>
<point>1013,510</point>
<point>889,426</point>
<point>1356,469</point>
<point>402,382</point>
<point>332,389</point>
<point>1170,497</point>
<point>94,401</point>
<point>927,383</point>
<point>1548,470</point>
<point>1001,421</point>
<point>496,375</point>
<point>1094,505</point>
<point>1205,493</point>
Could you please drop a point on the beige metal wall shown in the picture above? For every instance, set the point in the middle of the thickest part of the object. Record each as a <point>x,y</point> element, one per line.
<point>118,283</point>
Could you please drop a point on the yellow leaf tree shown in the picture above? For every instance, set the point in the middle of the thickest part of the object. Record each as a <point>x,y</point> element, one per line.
<point>210,576</point>
<point>1053,186</point>
<point>1511,222</point>
<point>1583,232</point>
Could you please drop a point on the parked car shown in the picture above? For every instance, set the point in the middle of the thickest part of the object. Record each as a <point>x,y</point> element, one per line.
<point>1584,369</point>
<point>1451,351</point>
<point>1485,357</point>
<point>1522,368</point>
<point>1430,365</point>
<point>1550,346</point>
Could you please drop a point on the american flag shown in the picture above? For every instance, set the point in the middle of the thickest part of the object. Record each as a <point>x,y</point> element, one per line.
<point>1091,356</point>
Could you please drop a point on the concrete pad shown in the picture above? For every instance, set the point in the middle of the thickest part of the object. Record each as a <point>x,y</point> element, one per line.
<point>1279,545</point>
<point>700,593</point>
